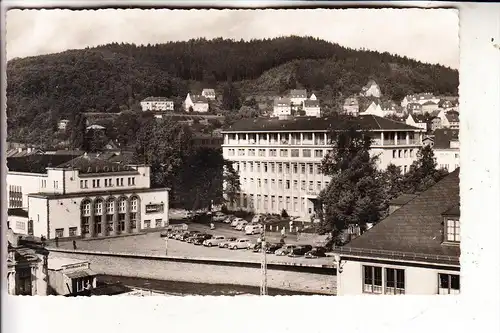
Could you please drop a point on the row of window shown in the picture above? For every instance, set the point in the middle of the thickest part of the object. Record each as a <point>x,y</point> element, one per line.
<point>391,281</point>
<point>72,231</point>
<point>110,206</point>
<point>402,153</point>
<point>15,196</point>
<point>453,230</point>
<point>317,153</point>
<point>270,184</point>
<point>98,223</point>
<point>295,138</point>
<point>280,167</point>
<point>447,166</point>
<point>108,182</point>
<point>273,203</point>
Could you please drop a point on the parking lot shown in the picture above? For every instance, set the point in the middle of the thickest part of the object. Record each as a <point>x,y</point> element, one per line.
<point>152,244</point>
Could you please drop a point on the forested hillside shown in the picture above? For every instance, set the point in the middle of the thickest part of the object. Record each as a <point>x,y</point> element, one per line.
<point>43,89</point>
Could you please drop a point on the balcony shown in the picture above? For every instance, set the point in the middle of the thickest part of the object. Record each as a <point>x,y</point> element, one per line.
<point>390,142</point>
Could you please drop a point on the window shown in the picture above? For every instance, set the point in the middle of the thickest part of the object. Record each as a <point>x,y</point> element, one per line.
<point>231,152</point>
<point>250,166</point>
<point>453,230</point>
<point>251,182</point>
<point>257,165</point>
<point>265,183</point>
<point>287,168</point>
<point>318,169</point>
<point>272,153</point>
<point>147,224</point>
<point>273,184</point>
<point>406,153</point>
<point>133,220</point>
<point>411,152</point>
<point>295,153</point>
<point>93,183</point>
<point>81,184</point>
<point>318,153</point>
<point>283,152</point>
<point>258,183</point>
<point>244,166</point>
<point>303,168</point>
<point>251,152</point>
<point>15,196</point>
<point>280,167</point>
<point>394,152</point>
<point>273,169</point>
<point>400,153</point>
<point>394,281</point>
<point>311,169</point>
<point>280,184</point>
<point>306,152</point>
<point>295,185</point>
<point>372,280</point>
<point>110,207</point>
<point>158,223</point>
<point>311,185</point>
<point>86,209</point>
<point>295,168</point>
<point>449,284</point>
<point>262,152</point>
<point>318,186</point>
<point>303,185</point>
<point>241,152</point>
<point>60,233</point>
<point>295,204</point>
<point>264,166</point>
<point>133,205</point>
<point>117,181</point>
<point>121,181</point>
<point>72,231</point>
<point>122,205</point>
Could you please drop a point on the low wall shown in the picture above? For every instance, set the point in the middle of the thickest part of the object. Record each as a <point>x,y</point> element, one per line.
<point>281,276</point>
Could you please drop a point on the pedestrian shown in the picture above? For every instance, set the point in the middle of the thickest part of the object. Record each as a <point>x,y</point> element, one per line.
<point>74,244</point>
<point>57,241</point>
<point>42,238</point>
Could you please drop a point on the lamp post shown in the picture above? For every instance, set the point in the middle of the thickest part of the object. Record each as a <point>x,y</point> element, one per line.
<point>263,285</point>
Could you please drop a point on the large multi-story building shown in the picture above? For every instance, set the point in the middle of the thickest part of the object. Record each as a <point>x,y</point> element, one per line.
<point>447,148</point>
<point>279,160</point>
<point>157,104</point>
<point>86,197</point>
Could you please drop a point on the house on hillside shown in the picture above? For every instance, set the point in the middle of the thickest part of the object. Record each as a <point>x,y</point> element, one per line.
<point>419,98</point>
<point>62,124</point>
<point>351,106</point>
<point>157,104</point>
<point>297,97</point>
<point>389,108</point>
<point>410,120</point>
<point>414,108</point>
<point>429,107</point>
<point>453,119</point>
<point>312,108</point>
<point>196,103</point>
<point>313,97</point>
<point>445,104</point>
<point>435,123</point>
<point>282,107</point>
<point>373,109</point>
<point>447,148</point>
<point>424,258</point>
<point>371,89</point>
<point>208,94</point>
<point>428,140</point>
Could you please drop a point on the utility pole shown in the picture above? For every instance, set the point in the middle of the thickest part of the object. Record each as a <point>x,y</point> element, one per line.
<point>263,285</point>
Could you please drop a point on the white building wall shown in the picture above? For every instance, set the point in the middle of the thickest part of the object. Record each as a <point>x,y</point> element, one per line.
<point>284,110</point>
<point>447,158</point>
<point>18,224</point>
<point>37,212</point>
<point>200,107</point>
<point>29,183</point>
<point>312,111</point>
<point>418,280</point>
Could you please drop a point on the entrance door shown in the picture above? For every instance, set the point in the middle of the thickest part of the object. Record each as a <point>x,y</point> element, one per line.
<point>30,227</point>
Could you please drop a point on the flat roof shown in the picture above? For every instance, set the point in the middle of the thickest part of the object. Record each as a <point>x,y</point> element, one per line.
<point>96,193</point>
<point>59,263</point>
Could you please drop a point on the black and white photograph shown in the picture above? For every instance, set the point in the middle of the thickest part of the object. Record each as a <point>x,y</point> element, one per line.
<point>173,152</point>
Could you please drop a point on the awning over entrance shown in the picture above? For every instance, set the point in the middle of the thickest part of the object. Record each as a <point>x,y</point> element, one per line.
<point>81,273</point>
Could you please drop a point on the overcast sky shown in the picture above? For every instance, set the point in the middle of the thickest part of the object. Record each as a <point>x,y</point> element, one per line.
<point>428,35</point>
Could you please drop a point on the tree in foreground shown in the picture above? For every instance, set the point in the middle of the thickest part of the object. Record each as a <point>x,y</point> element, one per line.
<point>355,194</point>
<point>423,172</point>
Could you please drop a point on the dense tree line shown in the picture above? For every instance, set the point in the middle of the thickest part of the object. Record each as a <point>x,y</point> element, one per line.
<point>115,77</point>
<point>359,193</point>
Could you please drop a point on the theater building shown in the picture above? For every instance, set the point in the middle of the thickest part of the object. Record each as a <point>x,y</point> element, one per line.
<point>279,160</point>
<point>89,197</point>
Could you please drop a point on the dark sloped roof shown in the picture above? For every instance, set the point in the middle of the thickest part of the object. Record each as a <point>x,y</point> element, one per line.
<point>443,136</point>
<point>199,99</point>
<point>417,227</point>
<point>403,199</point>
<point>367,122</point>
<point>282,101</point>
<point>156,99</point>
<point>298,93</point>
<point>453,117</point>
<point>36,163</point>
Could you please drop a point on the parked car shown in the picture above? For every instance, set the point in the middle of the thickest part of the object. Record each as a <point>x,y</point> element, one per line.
<point>201,238</point>
<point>235,221</point>
<point>182,236</point>
<point>188,235</point>
<point>241,225</point>
<point>214,241</point>
<point>253,244</point>
<point>225,243</point>
<point>178,227</point>
<point>284,250</point>
<point>271,248</point>
<point>300,250</point>
<point>240,243</point>
<point>316,252</point>
<point>252,229</point>
<point>218,217</point>
<point>228,219</point>
<point>257,218</point>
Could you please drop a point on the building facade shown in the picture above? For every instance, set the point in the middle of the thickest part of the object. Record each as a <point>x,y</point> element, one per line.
<point>371,89</point>
<point>26,266</point>
<point>447,149</point>
<point>279,161</point>
<point>351,106</point>
<point>196,103</point>
<point>297,97</point>
<point>157,104</point>
<point>70,277</point>
<point>89,197</point>
<point>312,108</point>
<point>282,107</point>
<point>420,261</point>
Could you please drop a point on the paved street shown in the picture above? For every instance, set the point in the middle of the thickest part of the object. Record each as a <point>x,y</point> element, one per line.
<point>152,243</point>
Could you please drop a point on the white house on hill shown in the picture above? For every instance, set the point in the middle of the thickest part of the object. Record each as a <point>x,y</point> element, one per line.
<point>411,121</point>
<point>297,96</point>
<point>197,103</point>
<point>282,107</point>
<point>208,93</point>
<point>157,104</point>
<point>371,89</point>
